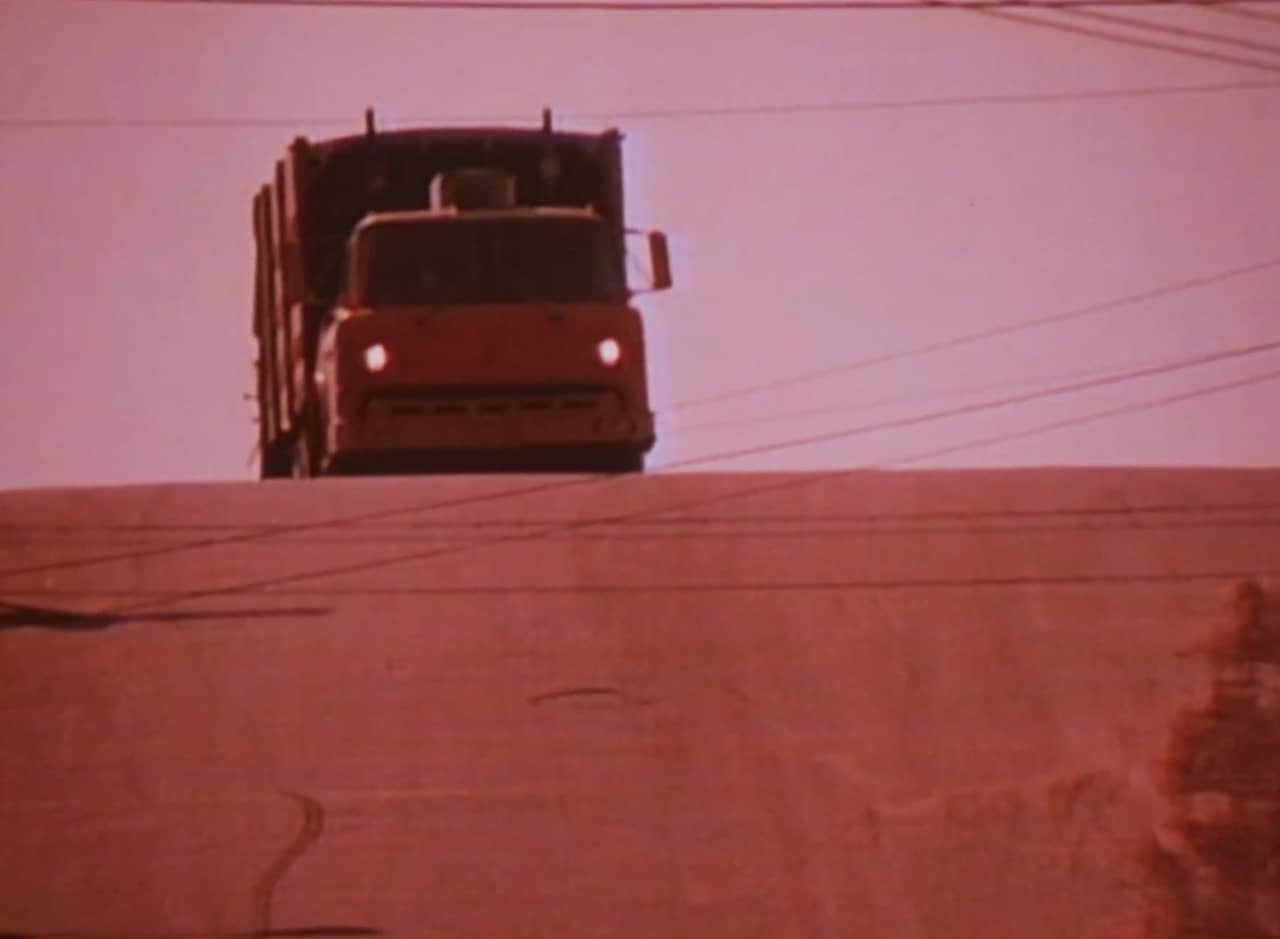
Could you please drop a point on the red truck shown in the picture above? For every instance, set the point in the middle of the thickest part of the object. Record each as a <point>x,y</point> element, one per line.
<point>450,300</point>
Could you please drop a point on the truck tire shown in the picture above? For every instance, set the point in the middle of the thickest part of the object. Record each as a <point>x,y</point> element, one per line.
<point>277,459</point>
<point>303,466</point>
<point>626,461</point>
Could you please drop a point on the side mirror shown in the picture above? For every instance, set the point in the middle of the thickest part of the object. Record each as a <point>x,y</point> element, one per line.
<point>659,260</point>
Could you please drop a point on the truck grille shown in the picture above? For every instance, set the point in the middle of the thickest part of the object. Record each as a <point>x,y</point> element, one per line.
<point>498,402</point>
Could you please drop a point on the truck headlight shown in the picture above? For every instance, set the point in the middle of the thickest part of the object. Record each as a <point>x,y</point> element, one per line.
<point>375,357</point>
<point>609,352</point>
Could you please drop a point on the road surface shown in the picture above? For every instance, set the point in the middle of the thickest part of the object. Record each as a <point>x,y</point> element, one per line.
<point>883,705</point>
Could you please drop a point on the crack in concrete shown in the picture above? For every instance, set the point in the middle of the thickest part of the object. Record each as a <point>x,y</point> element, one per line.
<point>265,887</point>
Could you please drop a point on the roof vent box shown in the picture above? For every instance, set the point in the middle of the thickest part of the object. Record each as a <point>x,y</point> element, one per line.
<point>470,189</point>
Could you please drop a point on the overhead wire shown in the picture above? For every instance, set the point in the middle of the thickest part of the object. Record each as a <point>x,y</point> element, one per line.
<point>995,8</point>
<point>981,7</point>
<point>63,532</point>
<point>259,533</point>
<point>1169,29</point>
<point>778,485</point>
<point>902,104</point>
<point>681,428</point>
<point>1092,417</point>
<point>152,599</point>
<point>242,536</point>
<point>273,583</point>
<point>935,102</point>
<point>346,521</point>
<point>685,528</point>
<point>1187,52</point>
<point>973,338</point>
<point>1170,514</point>
<point>681,6</point>
<point>646,114</point>
<point>1256,15</point>
<point>981,406</point>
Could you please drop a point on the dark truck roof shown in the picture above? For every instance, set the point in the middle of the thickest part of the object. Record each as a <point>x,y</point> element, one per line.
<point>332,184</point>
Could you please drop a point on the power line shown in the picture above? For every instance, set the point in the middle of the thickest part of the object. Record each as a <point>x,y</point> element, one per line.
<point>1169,514</point>
<point>144,123</point>
<point>1134,579</point>
<point>774,486</point>
<point>688,6</point>
<point>681,429</point>
<point>255,534</point>
<point>780,485</point>
<point>646,114</point>
<point>923,103</point>
<point>348,521</point>
<point>1170,30</point>
<point>355,567</point>
<point>794,528</point>
<point>973,338</point>
<point>1135,408</point>
<point>980,406</point>
<point>351,520</point>
<point>1188,52</point>
<point>1247,14</point>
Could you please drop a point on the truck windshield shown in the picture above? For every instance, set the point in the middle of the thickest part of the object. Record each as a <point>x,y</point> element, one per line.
<point>458,260</point>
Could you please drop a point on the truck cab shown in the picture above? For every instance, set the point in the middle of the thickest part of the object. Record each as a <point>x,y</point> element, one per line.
<point>480,339</point>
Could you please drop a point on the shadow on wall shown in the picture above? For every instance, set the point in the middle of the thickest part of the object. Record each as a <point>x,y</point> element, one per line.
<point>1212,869</point>
<point>304,931</point>
<point>22,616</point>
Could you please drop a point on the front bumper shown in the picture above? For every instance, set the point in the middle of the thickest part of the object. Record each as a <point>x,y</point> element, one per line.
<point>488,421</point>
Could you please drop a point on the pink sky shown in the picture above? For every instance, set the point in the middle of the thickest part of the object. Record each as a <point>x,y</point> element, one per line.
<point>800,241</point>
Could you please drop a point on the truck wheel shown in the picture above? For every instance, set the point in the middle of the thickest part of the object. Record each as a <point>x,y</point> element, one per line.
<point>303,466</point>
<point>277,458</point>
<point>627,461</point>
